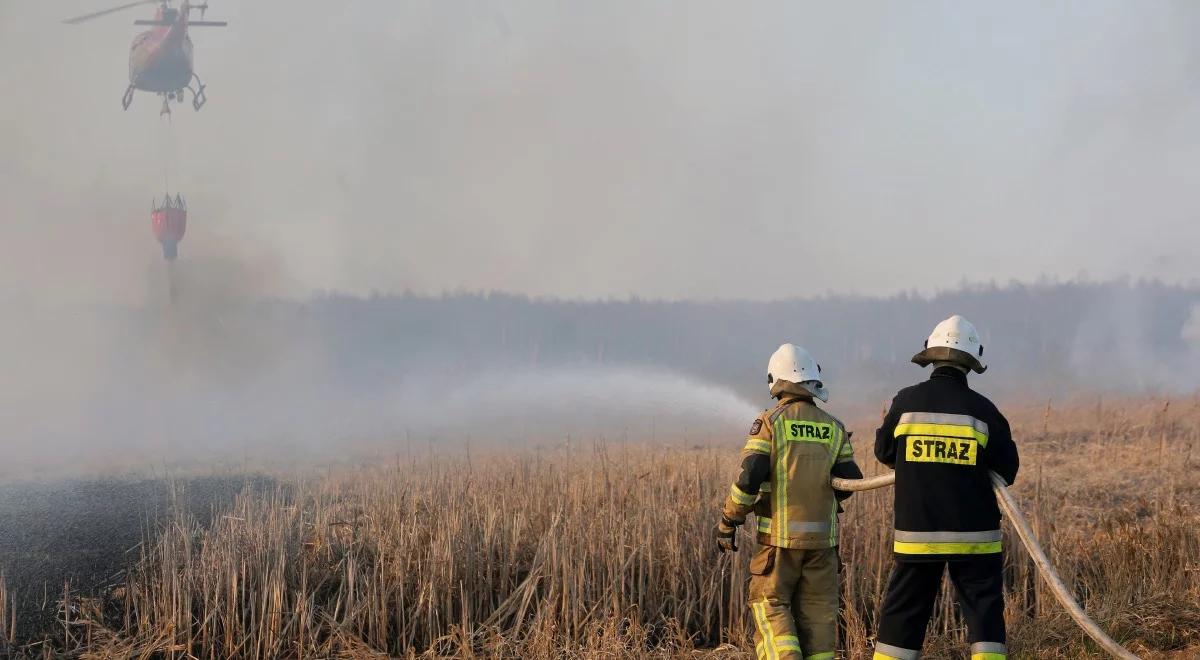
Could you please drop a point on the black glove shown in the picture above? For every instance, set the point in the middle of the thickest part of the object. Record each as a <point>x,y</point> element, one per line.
<point>726,535</point>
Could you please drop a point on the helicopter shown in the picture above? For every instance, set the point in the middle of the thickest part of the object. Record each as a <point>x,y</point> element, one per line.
<point>160,59</point>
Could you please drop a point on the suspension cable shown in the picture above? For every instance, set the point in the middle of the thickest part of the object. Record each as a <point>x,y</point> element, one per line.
<point>168,152</point>
<point>1029,540</point>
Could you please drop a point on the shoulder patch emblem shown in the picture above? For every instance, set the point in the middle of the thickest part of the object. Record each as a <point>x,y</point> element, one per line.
<point>756,427</point>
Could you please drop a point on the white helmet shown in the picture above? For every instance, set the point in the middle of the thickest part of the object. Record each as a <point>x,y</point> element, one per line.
<point>953,340</point>
<point>793,364</point>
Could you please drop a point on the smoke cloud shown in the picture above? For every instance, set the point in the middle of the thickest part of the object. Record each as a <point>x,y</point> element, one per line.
<point>582,150</point>
<point>685,151</point>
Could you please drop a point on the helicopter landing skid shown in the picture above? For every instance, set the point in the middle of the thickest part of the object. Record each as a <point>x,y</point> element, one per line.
<point>128,98</point>
<point>198,97</point>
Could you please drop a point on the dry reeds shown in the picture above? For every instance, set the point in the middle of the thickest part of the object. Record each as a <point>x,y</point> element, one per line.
<point>605,551</point>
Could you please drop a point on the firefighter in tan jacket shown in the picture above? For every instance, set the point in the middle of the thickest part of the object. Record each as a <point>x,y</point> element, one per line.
<point>790,454</point>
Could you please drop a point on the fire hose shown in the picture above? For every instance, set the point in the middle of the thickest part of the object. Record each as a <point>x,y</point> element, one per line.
<point>1009,505</point>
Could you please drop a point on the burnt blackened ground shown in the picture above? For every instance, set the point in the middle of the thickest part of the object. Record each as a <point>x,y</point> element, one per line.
<point>85,533</point>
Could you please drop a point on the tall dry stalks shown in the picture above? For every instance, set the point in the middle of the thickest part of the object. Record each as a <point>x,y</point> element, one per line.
<point>605,551</point>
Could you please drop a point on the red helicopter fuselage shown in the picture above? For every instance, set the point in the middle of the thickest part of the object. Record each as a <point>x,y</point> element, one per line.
<point>160,59</point>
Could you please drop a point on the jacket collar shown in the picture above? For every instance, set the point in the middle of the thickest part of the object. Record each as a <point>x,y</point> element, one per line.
<point>787,392</point>
<point>949,373</point>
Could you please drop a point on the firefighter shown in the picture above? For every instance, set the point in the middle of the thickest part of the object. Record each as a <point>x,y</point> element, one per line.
<point>791,451</point>
<point>942,438</point>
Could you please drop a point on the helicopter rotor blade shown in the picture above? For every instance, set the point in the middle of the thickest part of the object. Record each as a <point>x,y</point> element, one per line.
<point>87,17</point>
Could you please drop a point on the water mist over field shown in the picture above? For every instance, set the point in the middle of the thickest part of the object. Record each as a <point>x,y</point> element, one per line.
<point>223,376</point>
<point>226,374</point>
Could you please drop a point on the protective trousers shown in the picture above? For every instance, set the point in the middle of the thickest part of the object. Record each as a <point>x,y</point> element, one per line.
<point>794,603</point>
<point>909,604</point>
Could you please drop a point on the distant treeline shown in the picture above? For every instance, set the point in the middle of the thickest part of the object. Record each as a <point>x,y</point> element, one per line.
<point>1039,339</point>
<point>219,370</point>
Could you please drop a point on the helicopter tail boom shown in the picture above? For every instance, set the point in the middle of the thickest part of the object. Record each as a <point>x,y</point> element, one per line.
<point>190,23</point>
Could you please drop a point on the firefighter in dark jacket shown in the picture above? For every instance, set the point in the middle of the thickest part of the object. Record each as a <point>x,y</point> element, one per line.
<point>789,455</point>
<point>942,438</point>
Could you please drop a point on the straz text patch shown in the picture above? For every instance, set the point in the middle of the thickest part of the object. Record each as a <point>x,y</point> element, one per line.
<point>932,449</point>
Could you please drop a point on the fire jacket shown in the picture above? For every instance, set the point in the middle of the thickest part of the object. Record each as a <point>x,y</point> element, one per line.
<point>789,456</point>
<point>942,438</point>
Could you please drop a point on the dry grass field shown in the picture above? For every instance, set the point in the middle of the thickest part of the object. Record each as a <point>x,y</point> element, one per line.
<point>603,550</point>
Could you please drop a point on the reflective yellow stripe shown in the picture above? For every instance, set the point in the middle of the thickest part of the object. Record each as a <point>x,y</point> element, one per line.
<point>787,643</point>
<point>952,419</point>
<point>835,445</point>
<point>828,655</point>
<point>842,443</point>
<point>903,548</point>
<point>982,536</point>
<point>796,528</point>
<point>758,446</point>
<point>944,430</point>
<point>989,651</point>
<point>889,652</point>
<point>737,495</point>
<point>764,630</point>
<point>833,524</point>
<point>780,483</point>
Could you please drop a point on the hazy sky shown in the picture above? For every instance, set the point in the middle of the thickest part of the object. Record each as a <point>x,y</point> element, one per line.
<point>664,149</point>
